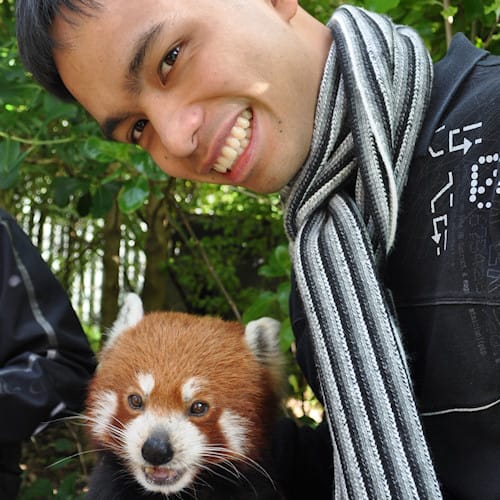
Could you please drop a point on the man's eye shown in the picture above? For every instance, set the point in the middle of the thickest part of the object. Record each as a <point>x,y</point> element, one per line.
<point>168,62</point>
<point>137,130</point>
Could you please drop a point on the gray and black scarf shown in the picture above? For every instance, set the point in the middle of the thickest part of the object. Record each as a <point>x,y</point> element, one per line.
<point>340,216</point>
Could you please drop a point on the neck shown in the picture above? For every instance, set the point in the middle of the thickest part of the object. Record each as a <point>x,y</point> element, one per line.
<point>317,37</point>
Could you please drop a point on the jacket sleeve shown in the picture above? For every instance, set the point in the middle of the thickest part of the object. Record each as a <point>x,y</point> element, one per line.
<point>45,359</point>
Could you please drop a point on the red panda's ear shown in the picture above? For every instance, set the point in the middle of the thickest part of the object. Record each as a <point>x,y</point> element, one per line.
<point>129,315</point>
<point>263,338</point>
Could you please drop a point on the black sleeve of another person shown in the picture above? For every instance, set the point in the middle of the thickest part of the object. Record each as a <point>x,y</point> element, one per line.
<point>45,359</point>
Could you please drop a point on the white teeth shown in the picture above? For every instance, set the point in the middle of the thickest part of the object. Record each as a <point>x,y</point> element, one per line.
<point>235,144</point>
<point>219,168</point>
<point>229,152</point>
<point>224,162</point>
<point>243,122</point>
<point>238,132</point>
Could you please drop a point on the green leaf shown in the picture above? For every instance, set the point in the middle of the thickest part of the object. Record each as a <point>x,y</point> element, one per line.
<point>283,296</point>
<point>63,444</point>
<point>104,151</point>
<point>472,9</point>
<point>11,158</point>
<point>9,179</point>
<point>449,12</point>
<point>94,336</point>
<point>15,94</point>
<point>67,487</point>
<point>382,6</point>
<point>493,8</point>
<point>41,488</point>
<point>265,305</point>
<point>286,335</point>
<point>145,165</point>
<point>278,265</point>
<point>134,194</point>
<point>65,188</point>
<point>55,108</point>
<point>103,199</point>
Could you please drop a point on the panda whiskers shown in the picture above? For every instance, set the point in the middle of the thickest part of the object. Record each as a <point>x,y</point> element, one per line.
<point>78,454</point>
<point>90,422</point>
<point>225,459</point>
<point>191,491</point>
<point>71,421</point>
<point>83,420</point>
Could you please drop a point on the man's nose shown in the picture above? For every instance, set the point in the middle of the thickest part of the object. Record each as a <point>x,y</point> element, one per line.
<point>177,126</point>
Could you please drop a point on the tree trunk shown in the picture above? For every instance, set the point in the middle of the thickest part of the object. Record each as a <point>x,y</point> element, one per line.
<point>160,291</point>
<point>111,234</point>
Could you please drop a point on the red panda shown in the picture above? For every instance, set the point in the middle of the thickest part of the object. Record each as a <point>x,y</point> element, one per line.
<point>181,407</point>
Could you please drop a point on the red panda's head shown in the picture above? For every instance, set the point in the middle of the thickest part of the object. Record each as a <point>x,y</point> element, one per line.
<point>176,394</point>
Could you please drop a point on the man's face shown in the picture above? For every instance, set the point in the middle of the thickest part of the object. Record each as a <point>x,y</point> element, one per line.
<point>219,91</point>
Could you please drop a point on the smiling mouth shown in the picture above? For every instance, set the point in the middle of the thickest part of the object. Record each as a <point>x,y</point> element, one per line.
<point>235,144</point>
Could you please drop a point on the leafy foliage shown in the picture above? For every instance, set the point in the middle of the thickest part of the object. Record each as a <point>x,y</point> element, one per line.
<point>274,303</point>
<point>55,468</point>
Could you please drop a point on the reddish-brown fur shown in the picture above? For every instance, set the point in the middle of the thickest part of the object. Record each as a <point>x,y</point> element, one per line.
<point>176,346</point>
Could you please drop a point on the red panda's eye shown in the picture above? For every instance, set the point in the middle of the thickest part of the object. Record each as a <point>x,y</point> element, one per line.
<point>135,402</point>
<point>198,408</point>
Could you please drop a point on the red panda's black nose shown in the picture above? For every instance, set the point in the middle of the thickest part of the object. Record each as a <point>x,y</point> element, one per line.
<point>157,450</point>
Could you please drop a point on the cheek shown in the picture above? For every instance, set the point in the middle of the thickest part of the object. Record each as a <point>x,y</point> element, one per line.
<point>101,412</point>
<point>235,430</point>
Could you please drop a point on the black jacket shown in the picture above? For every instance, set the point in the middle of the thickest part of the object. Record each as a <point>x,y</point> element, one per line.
<point>45,359</point>
<point>445,273</point>
<point>444,277</point>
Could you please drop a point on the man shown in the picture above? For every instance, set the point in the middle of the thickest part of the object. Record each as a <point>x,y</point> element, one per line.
<point>257,93</point>
<point>45,359</point>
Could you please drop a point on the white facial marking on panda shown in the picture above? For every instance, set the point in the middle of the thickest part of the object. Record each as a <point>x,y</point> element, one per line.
<point>185,439</point>
<point>103,411</point>
<point>146,382</point>
<point>235,429</point>
<point>191,388</point>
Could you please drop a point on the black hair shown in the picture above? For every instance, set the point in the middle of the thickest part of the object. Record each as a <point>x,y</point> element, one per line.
<point>34,19</point>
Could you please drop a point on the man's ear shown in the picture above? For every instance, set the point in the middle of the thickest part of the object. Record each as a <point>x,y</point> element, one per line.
<point>286,8</point>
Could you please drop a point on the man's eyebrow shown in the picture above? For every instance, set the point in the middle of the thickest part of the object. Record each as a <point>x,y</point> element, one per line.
<point>110,124</point>
<point>132,80</point>
<point>139,52</point>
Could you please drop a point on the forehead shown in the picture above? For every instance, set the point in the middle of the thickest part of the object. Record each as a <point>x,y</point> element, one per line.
<point>94,51</point>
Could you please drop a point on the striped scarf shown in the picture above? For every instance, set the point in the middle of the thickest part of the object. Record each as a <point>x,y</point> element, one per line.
<point>340,217</point>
